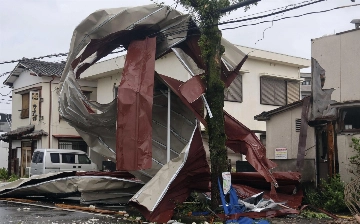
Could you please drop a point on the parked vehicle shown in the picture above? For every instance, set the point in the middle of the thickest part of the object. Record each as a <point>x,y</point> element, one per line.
<point>59,160</point>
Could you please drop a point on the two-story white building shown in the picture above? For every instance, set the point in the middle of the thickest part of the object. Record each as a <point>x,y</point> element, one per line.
<point>36,122</point>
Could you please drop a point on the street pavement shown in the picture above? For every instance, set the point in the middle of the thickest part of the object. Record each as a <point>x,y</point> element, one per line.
<point>11,212</point>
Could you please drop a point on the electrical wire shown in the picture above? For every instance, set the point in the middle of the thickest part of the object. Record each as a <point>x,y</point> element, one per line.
<point>6,94</point>
<point>271,14</point>
<point>288,17</point>
<point>270,10</point>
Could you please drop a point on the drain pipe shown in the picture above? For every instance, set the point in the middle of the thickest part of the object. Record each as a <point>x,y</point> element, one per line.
<point>50,110</point>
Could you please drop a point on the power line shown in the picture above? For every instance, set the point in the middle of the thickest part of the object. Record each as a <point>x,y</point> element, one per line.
<point>4,74</point>
<point>45,56</point>
<point>288,17</point>
<point>270,10</point>
<point>41,57</point>
<point>6,94</point>
<point>271,14</point>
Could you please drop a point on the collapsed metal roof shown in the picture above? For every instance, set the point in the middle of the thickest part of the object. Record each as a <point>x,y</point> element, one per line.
<point>132,128</point>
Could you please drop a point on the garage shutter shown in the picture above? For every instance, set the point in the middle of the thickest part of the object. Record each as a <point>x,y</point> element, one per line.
<point>273,91</point>
<point>234,91</point>
<point>293,89</point>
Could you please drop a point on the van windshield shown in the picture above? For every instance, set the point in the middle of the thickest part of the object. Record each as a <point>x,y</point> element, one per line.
<point>34,158</point>
<point>38,157</point>
<point>83,159</point>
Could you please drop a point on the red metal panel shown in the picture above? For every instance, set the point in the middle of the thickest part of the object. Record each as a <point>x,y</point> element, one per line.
<point>194,175</point>
<point>242,140</point>
<point>135,99</point>
<point>193,88</point>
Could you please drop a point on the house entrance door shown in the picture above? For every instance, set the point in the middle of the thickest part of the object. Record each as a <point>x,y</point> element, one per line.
<point>25,158</point>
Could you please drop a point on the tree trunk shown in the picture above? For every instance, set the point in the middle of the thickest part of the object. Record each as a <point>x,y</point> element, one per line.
<point>211,48</point>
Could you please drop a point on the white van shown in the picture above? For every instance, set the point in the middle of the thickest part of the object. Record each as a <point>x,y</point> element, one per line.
<point>59,160</point>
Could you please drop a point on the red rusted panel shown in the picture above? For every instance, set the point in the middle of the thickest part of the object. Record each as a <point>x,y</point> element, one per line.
<point>134,115</point>
<point>195,175</point>
<point>228,76</point>
<point>196,107</point>
<point>193,88</point>
<point>242,140</point>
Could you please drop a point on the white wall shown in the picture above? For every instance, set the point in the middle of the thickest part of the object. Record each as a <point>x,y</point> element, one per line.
<point>4,149</point>
<point>245,111</point>
<point>345,151</point>
<point>57,126</point>
<point>339,55</point>
<point>281,133</point>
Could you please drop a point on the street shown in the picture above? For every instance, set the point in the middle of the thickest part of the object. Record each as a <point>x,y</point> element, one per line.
<point>11,212</point>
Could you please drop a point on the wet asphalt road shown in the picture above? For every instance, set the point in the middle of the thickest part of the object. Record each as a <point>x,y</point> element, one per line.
<point>19,213</point>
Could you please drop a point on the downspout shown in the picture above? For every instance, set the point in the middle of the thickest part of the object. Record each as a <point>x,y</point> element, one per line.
<point>10,156</point>
<point>50,110</point>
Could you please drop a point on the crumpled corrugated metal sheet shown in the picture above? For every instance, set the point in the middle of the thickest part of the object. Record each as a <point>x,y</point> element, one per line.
<point>174,182</point>
<point>135,101</point>
<point>239,138</point>
<point>321,98</point>
<point>68,183</point>
<point>242,140</point>
<point>102,32</point>
<point>95,37</point>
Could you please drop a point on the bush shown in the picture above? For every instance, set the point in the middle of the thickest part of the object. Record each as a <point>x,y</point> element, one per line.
<point>355,160</point>
<point>3,174</point>
<point>329,195</point>
<point>13,177</point>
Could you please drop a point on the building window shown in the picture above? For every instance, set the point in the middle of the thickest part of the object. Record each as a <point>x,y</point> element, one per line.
<point>25,106</point>
<point>234,91</point>
<point>115,91</point>
<point>73,144</point>
<point>278,92</point>
<point>87,94</point>
<point>263,140</point>
<point>297,125</point>
<point>350,119</point>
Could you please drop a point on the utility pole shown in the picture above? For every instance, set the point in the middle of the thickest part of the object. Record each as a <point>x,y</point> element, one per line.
<point>210,13</point>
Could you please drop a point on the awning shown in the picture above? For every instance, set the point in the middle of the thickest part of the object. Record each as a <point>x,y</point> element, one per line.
<point>20,131</point>
<point>23,132</point>
<point>66,136</point>
<point>36,134</point>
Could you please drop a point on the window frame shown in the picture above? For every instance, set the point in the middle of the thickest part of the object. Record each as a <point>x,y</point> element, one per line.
<point>78,144</point>
<point>63,154</point>
<point>88,159</point>
<point>286,81</point>
<point>241,90</point>
<point>341,122</point>
<point>55,153</point>
<point>25,112</point>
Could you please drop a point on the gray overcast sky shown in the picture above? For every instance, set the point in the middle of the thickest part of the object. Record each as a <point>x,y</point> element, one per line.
<point>31,28</point>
